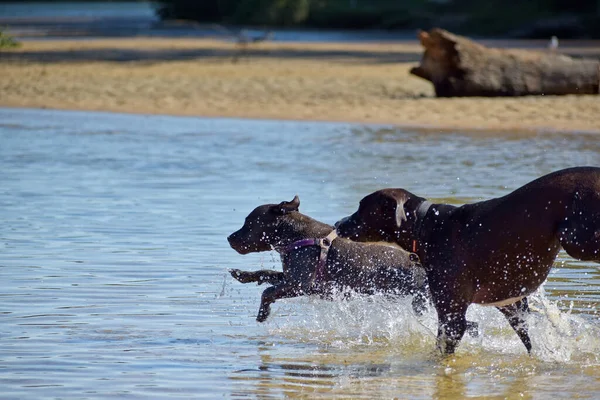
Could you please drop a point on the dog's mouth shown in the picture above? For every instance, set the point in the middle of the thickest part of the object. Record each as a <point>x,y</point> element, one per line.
<point>237,246</point>
<point>243,246</point>
<point>347,228</point>
<point>242,250</point>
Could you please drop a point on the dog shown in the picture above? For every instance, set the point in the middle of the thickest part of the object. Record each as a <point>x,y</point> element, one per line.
<point>315,262</point>
<point>493,252</point>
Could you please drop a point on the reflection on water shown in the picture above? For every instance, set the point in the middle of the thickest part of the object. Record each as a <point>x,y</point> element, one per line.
<point>114,261</point>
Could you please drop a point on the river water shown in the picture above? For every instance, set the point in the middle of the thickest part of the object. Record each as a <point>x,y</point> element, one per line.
<point>113,263</point>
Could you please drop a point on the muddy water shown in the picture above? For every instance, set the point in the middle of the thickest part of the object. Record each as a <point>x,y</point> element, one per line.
<point>113,263</point>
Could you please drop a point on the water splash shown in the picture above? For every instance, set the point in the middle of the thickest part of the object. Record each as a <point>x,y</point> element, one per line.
<point>377,320</point>
<point>382,321</point>
<point>561,336</point>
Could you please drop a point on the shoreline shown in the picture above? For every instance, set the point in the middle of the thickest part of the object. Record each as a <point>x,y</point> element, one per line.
<point>514,131</point>
<point>364,83</point>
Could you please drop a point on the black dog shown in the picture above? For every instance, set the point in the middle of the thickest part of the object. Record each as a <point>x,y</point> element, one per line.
<point>322,266</point>
<point>493,252</point>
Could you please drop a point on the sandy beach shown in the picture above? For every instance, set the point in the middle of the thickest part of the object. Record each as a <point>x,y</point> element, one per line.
<point>353,82</point>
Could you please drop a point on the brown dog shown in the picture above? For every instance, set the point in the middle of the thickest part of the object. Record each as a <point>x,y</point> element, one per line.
<point>321,266</point>
<point>493,252</point>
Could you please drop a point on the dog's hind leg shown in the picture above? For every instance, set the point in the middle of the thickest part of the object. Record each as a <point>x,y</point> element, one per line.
<point>473,328</point>
<point>262,276</point>
<point>273,293</point>
<point>420,302</point>
<point>581,241</point>
<point>515,314</point>
<point>579,232</point>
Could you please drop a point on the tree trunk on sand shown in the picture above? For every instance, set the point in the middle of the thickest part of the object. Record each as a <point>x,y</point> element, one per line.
<point>458,67</point>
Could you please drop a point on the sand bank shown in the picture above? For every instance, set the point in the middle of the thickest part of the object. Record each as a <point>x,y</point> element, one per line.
<point>366,83</point>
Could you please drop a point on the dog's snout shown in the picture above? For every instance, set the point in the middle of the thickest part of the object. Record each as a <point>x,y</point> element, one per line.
<point>341,221</point>
<point>233,240</point>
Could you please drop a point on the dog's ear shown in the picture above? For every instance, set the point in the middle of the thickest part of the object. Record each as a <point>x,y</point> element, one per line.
<point>288,206</point>
<point>400,213</point>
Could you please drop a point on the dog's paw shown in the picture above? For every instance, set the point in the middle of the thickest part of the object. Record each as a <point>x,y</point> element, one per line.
<point>262,316</point>
<point>473,329</point>
<point>241,276</point>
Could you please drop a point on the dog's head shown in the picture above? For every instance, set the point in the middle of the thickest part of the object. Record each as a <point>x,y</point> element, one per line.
<point>260,231</point>
<point>381,216</point>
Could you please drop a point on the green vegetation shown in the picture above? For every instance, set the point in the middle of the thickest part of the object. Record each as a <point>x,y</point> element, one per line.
<point>7,41</point>
<point>531,18</point>
<point>311,13</point>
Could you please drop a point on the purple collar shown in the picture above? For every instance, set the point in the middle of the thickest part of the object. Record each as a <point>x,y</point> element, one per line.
<point>324,244</point>
<point>297,244</point>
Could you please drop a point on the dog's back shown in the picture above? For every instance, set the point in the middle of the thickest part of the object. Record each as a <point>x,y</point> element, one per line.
<point>375,267</point>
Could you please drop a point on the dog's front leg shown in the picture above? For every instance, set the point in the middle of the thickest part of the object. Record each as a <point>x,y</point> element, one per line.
<point>273,293</point>
<point>451,301</point>
<point>262,276</point>
<point>420,300</point>
<point>451,329</point>
<point>516,313</point>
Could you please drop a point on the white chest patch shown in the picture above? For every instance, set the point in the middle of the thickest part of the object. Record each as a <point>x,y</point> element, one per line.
<point>502,303</point>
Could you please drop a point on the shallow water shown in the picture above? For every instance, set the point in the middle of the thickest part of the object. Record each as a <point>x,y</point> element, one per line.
<point>113,263</point>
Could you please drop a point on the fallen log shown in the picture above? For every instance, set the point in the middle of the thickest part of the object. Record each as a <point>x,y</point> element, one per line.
<point>459,67</point>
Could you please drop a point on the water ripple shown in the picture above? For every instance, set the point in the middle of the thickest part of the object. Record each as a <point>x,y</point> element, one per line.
<point>114,263</point>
